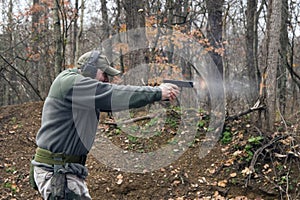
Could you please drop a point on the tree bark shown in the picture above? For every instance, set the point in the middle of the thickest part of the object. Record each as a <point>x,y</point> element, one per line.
<point>106,30</point>
<point>282,67</point>
<point>214,30</point>
<point>37,71</point>
<point>251,38</point>
<point>135,19</point>
<point>75,33</point>
<point>57,37</point>
<point>273,34</point>
<point>10,99</point>
<point>78,36</point>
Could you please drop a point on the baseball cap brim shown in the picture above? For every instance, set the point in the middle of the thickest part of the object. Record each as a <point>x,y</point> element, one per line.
<point>105,66</point>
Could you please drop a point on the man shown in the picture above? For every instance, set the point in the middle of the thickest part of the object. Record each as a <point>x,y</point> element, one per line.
<point>70,118</point>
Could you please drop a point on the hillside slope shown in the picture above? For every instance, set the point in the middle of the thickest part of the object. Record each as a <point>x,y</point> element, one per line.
<point>223,174</point>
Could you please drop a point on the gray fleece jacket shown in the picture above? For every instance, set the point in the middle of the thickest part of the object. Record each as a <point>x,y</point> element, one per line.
<point>71,113</point>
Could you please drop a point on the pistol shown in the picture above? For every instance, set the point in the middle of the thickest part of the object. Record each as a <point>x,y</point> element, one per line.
<point>187,84</point>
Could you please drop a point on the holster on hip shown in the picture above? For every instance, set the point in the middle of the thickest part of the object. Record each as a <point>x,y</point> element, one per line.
<point>59,186</point>
<point>58,183</point>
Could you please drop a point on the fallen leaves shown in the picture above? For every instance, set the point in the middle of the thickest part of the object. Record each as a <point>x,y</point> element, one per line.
<point>187,178</point>
<point>202,180</point>
<point>229,162</point>
<point>232,175</point>
<point>176,183</point>
<point>287,141</point>
<point>218,196</point>
<point>246,171</point>
<point>211,170</point>
<point>222,183</point>
<point>120,179</point>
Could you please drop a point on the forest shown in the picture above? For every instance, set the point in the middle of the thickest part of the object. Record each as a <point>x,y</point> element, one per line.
<point>243,57</point>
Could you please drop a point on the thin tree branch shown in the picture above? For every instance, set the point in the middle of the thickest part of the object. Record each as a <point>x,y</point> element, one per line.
<point>24,77</point>
<point>295,76</point>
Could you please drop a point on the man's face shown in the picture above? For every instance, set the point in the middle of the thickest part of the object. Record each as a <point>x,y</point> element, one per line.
<point>101,76</point>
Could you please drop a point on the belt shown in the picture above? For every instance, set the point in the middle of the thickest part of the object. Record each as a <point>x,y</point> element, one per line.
<point>47,157</point>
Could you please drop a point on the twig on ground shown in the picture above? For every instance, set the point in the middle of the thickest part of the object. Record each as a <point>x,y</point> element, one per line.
<point>257,106</point>
<point>258,152</point>
<point>129,121</point>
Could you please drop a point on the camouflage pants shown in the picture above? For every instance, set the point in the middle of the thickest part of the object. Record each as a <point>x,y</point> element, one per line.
<point>75,184</point>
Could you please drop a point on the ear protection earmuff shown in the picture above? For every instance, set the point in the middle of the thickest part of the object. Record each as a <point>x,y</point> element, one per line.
<point>89,68</point>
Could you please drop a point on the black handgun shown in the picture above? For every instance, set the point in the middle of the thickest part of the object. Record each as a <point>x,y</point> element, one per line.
<point>187,84</point>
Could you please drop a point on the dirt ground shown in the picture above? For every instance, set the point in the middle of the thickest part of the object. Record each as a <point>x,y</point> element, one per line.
<point>225,173</point>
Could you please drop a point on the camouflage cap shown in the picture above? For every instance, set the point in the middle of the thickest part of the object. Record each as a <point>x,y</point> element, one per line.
<point>97,60</point>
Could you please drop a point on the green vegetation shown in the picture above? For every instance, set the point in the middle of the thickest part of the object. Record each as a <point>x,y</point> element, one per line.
<point>252,144</point>
<point>226,137</point>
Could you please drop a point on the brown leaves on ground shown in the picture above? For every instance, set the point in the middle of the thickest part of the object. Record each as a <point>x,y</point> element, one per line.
<point>223,174</point>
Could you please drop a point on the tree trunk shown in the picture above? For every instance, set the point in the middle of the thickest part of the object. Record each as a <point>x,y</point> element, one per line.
<point>80,31</point>
<point>57,37</point>
<point>75,33</point>
<point>106,30</point>
<point>105,22</point>
<point>251,37</point>
<point>48,68</point>
<point>214,30</point>
<point>135,19</point>
<point>12,75</point>
<point>183,12</point>
<point>37,70</point>
<point>282,67</point>
<point>273,35</point>
<point>171,21</point>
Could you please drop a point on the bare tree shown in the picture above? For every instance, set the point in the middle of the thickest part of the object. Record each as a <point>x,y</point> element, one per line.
<point>39,45</point>
<point>214,29</point>
<point>273,57</point>
<point>106,29</point>
<point>293,56</point>
<point>58,36</point>
<point>135,21</point>
<point>283,64</point>
<point>251,50</point>
<point>80,31</point>
<point>75,32</point>
<point>11,99</point>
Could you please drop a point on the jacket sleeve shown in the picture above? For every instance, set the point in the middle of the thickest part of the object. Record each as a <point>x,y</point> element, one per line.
<point>126,97</point>
<point>92,94</point>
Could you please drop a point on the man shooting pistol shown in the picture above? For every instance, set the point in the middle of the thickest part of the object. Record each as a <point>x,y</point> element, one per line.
<point>70,119</point>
